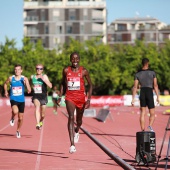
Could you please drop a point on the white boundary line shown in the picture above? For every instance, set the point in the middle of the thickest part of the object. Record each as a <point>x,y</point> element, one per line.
<point>37,166</point>
<point>4,128</point>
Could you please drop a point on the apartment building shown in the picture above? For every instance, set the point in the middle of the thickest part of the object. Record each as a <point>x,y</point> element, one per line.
<point>55,21</point>
<point>127,30</point>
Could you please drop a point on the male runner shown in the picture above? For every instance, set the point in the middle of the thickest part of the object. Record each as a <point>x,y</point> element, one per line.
<point>147,80</point>
<point>40,82</point>
<point>17,98</point>
<point>73,82</point>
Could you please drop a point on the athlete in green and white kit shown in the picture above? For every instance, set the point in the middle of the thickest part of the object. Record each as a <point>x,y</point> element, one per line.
<point>40,82</point>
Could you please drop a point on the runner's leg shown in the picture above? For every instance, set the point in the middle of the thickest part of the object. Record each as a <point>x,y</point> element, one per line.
<point>79,117</point>
<point>14,111</point>
<point>37,110</point>
<point>152,116</point>
<point>20,121</point>
<point>142,117</point>
<point>43,108</point>
<point>70,109</point>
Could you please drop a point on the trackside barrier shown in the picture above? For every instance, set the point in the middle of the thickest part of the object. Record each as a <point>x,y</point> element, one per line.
<point>98,101</point>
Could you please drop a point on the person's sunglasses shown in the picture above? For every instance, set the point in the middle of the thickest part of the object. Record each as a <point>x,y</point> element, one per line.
<point>39,68</point>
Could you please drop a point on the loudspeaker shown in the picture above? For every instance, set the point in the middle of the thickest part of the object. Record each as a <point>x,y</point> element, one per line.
<point>102,115</point>
<point>146,147</point>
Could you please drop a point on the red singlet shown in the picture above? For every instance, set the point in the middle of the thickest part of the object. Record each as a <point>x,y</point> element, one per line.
<point>75,91</point>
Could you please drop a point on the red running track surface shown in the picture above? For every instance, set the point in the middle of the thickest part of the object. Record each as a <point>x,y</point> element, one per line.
<point>48,148</point>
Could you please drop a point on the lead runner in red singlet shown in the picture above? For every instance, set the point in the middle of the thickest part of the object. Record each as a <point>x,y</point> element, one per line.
<point>73,82</point>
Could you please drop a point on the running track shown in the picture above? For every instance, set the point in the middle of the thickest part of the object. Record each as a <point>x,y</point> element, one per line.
<point>48,148</point>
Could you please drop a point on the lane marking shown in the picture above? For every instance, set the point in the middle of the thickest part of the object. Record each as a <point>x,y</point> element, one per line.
<point>37,166</point>
<point>4,128</point>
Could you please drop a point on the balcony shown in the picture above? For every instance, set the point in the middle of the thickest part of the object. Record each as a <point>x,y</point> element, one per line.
<point>86,3</point>
<point>35,4</point>
<point>59,4</point>
<point>31,18</point>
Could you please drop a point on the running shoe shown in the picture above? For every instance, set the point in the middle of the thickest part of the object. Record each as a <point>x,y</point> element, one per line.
<point>150,129</point>
<point>18,135</point>
<point>12,122</point>
<point>38,127</point>
<point>72,149</point>
<point>55,112</point>
<point>41,123</point>
<point>76,137</point>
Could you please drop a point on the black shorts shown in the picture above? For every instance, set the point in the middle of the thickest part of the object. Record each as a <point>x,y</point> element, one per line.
<point>54,99</point>
<point>146,98</point>
<point>20,105</point>
<point>42,99</point>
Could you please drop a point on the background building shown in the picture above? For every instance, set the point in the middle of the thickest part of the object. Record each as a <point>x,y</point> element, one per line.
<point>127,30</point>
<point>54,21</point>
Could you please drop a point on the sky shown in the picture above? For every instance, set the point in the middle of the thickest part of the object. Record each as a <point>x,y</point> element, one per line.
<point>11,14</point>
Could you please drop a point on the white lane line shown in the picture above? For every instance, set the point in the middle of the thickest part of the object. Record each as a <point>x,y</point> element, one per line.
<point>4,128</point>
<point>37,166</point>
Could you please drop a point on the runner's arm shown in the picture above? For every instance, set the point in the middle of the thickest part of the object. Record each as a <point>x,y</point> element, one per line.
<point>47,81</point>
<point>62,85</point>
<point>134,90</point>
<point>90,88</point>
<point>6,86</point>
<point>27,85</point>
<point>155,85</point>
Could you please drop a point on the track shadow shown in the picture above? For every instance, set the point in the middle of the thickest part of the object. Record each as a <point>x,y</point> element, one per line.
<point>5,135</point>
<point>106,134</point>
<point>13,135</point>
<point>97,162</point>
<point>151,166</point>
<point>52,154</point>
<point>129,160</point>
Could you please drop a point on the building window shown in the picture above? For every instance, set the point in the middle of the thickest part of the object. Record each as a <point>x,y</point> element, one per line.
<point>72,17</point>
<point>81,28</point>
<point>97,14</point>
<point>58,29</point>
<point>46,29</point>
<point>56,14</point>
<point>69,29</point>
<point>119,37</point>
<point>43,41</point>
<point>85,14</point>
<point>32,30</point>
<point>33,40</point>
<point>72,14</point>
<point>42,15</point>
<point>132,26</point>
<point>121,27</point>
<point>141,26</point>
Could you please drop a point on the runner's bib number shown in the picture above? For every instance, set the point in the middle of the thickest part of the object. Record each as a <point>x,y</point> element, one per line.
<point>55,95</point>
<point>37,88</point>
<point>17,91</point>
<point>73,83</point>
